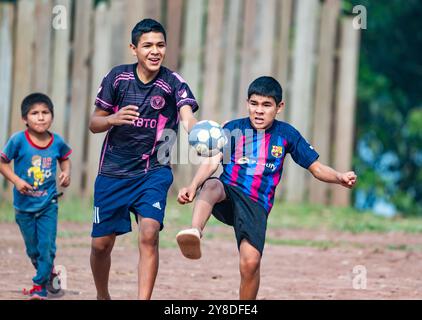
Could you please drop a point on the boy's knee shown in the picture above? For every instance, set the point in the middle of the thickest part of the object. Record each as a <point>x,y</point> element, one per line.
<point>149,236</point>
<point>249,265</point>
<point>214,187</point>
<point>101,248</point>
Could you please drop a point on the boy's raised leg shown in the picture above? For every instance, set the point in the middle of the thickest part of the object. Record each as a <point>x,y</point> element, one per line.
<point>100,264</point>
<point>189,240</point>
<point>148,256</point>
<point>249,265</point>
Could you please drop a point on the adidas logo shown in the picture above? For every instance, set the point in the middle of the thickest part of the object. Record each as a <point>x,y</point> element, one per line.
<point>157,205</point>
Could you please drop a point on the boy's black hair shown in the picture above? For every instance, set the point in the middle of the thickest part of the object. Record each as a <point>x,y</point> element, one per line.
<point>267,87</point>
<point>145,26</point>
<point>35,98</point>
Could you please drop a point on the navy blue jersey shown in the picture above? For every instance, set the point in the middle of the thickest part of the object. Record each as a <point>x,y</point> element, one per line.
<point>253,160</point>
<point>131,150</point>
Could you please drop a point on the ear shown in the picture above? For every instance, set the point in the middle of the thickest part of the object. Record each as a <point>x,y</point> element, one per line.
<point>25,121</point>
<point>280,107</point>
<point>132,48</point>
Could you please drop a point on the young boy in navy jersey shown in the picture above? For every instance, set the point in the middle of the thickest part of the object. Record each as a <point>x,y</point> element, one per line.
<point>252,166</point>
<point>136,104</point>
<point>35,153</point>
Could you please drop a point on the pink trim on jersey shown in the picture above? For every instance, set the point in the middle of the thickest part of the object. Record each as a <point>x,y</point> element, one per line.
<point>102,101</point>
<point>262,160</point>
<point>104,151</point>
<point>276,180</point>
<point>163,83</point>
<point>179,77</point>
<point>126,76</point>
<point>238,154</point>
<point>162,87</point>
<point>160,128</point>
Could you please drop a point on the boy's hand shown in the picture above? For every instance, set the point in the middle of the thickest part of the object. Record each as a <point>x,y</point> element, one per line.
<point>347,179</point>
<point>64,179</point>
<point>186,194</point>
<point>23,187</point>
<point>125,115</point>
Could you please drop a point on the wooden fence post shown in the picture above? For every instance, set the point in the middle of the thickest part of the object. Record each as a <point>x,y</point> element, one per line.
<point>173,29</point>
<point>6,64</point>
<point>100,66</point>
<point>60,66</point>
<point>23,60</point>
<point>213,55</point>
<point>322,119</point>
<point>134,11</point>
<point>78,120</point>
<point>41,76</point>
<point>345,105</point>
<point>231,66</point>
<point>302,89</point>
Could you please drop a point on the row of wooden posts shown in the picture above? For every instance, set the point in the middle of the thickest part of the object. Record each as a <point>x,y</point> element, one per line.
<point>65,47</point>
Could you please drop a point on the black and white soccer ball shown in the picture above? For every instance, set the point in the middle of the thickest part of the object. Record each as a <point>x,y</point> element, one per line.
<point>207,138</point>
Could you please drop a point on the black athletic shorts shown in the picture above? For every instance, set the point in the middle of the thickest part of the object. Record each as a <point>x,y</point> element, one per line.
<point>248,218</point>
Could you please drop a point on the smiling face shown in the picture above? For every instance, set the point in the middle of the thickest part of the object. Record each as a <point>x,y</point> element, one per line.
<point>39,118</point>
<point>262,111</point>
<point>150,52</point>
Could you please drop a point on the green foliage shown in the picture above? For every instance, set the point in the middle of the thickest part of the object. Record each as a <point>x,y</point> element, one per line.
<point>389,117</point>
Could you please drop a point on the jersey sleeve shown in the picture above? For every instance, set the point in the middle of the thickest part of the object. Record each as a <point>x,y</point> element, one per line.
<point>184,95</point>
<point>10,150</point>
<point>301,151</point>
<point>64,150</point>
<point>106,95</point>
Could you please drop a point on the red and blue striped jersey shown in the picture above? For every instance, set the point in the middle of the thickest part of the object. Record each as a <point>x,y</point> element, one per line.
<point>253,159</point>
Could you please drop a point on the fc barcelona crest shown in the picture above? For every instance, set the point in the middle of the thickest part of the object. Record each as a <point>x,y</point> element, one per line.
<point>277,151</point>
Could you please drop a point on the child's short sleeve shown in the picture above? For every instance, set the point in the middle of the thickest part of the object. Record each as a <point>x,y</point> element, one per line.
<point>64,150</point>
<point>10,151</point>
<point>183,94</point>
<point>301,151</point>
<point>105,99</point>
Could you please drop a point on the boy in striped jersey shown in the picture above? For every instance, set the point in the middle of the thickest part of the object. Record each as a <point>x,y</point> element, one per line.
<point>252,166</point>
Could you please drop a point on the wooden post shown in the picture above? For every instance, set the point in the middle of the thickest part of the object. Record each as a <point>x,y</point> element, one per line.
<point>213,54</point>
<point>100,67</point>
<point>134,12</point>
<point>231,66</point>
<point>322,120</point>
<point>264,35</point>
<point>80,92</point>
<point>42,46</point>
<point>247,55</point>
<point>119,33</point>
<point>153,9</point>
<point>23,60</point>
<point>6,61</point>
<point>191,72</point>
<point>173,29</point>
<point>345,105</point>
<point>302,88</point>
<point>60,67</point>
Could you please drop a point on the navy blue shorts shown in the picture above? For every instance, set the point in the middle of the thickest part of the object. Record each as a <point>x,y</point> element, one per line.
<point>115,198</point>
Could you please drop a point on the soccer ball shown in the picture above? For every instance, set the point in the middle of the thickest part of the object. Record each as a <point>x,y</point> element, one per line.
<point>207,138</point>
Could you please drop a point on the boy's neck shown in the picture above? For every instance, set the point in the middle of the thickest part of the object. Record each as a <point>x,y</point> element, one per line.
<point>145,77</point>
<point>40,138</point>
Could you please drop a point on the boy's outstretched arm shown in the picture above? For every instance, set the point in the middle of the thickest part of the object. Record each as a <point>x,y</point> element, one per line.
<point>328,174</point>
<point>101,120</point>
<point>64,177</point>
<point>21,185</point>
<point>206,170</point>
<point>187,118</point>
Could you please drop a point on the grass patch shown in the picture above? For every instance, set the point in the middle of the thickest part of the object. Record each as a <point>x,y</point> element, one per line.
<point>287,216</point>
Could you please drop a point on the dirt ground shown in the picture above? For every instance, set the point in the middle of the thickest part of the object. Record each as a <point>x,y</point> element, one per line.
<point>393,264</point>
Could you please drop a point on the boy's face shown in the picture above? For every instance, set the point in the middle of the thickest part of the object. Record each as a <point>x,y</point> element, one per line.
<point>150,51</point>
<point>39,118</point>
<point>262,111</point>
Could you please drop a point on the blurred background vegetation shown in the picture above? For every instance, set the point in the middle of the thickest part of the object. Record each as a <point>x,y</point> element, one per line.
<point>388,153</point>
